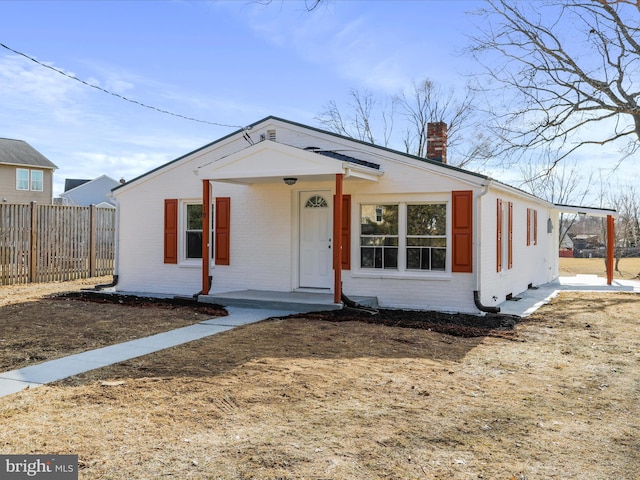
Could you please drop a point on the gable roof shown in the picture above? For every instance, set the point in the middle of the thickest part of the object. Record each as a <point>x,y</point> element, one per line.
<point>331,154</point>
<point>19,152</point>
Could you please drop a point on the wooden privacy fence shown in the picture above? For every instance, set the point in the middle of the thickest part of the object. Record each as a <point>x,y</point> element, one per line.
<point>46,243</point>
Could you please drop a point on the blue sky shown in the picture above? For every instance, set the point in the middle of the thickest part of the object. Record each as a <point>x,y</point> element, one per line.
<point>224,62</point>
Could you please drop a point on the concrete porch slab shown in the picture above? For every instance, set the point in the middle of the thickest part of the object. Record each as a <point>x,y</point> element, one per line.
<point>287,301</point>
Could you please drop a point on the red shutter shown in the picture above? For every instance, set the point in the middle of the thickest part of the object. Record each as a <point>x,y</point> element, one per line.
<point>462,231</point>
<point>171,230</point>
<point>535,227</point>
<point>510,238</point>
<point>499,236</point>
<point>346,231</point>
<point>223,223</point>
<point>528,227</point>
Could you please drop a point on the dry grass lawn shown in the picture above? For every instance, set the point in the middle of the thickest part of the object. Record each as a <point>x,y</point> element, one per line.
<point>311,399</point>
<point>628,268</point>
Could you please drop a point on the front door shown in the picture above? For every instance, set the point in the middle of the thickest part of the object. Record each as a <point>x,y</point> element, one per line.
<point>315,239</point>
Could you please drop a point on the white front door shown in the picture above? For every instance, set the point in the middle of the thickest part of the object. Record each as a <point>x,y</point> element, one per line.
<point>316,254</point>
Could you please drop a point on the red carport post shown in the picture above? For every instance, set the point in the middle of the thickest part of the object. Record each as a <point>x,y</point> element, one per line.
<point>610,248</point>
<point>206,232</point>
<point>337,241</point>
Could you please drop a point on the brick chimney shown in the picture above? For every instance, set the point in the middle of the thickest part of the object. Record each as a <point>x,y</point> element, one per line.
<point>437,141</point>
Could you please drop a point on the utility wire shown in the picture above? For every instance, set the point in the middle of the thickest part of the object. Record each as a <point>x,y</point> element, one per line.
<point>116,94</point>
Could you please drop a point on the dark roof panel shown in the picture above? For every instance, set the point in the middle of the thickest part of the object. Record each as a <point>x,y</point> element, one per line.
<point>71,183</point>
<point>19,152</point>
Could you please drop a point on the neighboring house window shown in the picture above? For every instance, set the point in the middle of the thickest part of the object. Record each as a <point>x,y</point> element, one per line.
<point>29,179</point>
<point>426,237</point>
<point>22,179</point>
<point>37,180</point>
<point>193,231</point>
<point>379,236</point>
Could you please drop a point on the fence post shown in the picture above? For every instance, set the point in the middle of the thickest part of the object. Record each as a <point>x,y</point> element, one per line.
<point>33,244</point>
<point>93,236</point>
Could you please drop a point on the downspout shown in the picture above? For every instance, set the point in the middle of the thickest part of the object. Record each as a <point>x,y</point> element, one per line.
<point>116,248</point>
<point>476,293</point>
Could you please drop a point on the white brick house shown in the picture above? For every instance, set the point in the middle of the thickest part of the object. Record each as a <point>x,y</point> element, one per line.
<point>294,208</point>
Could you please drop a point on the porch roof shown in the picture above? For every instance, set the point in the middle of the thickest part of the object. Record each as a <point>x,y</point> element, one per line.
<point>593,212</point>
<point>271,162</point>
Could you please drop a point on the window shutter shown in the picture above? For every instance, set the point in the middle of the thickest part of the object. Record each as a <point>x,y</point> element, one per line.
<point>499,236</point>
<point>528,227</point>
<point>462,231</point>
<point>345,231</point>
<point>223,223</point>
<point>535,227</point>
<point>510,238</point>
<point>171,230</point>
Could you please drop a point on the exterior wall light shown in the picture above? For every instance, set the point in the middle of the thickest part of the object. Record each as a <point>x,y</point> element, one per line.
<point>290,180</point>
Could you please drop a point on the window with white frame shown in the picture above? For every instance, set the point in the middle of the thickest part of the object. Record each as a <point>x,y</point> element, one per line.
<point>37,180</point>
<point>29,179</point>
<point>404,237</point>
<point>379,236</point>
<point>22,179</point>
<point>426,237</point>
<point>193,231</point>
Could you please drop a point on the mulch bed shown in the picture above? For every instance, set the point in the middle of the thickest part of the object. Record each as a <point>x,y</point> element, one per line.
<point>139,301</point>
<point>457,324</point>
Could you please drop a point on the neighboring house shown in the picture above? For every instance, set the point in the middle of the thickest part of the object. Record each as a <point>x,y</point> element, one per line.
<point>415,233</point>
<point>25,174</point>
<point>88,192</point>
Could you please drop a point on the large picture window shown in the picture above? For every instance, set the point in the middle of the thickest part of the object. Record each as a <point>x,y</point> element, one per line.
<point>404,236</point>
<point>426,237</point>
<point>379,236</point>
<point>193,231</point>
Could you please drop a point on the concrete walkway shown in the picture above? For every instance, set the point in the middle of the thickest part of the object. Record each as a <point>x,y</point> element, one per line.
<point>47,372</point>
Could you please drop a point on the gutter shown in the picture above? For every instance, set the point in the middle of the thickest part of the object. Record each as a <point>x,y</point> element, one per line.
<point>476,293</point>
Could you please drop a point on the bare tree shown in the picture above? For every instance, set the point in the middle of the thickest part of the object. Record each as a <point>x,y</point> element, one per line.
<point>362,111</point>
<point>574,67</point>
<point>565,185</point>
<point>411,111</point>
<point>626,201</point>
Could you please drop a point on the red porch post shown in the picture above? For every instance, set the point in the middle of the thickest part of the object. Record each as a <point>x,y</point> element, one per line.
<point>206,232</point>
<point>610,247</point>
<point>337,241</point>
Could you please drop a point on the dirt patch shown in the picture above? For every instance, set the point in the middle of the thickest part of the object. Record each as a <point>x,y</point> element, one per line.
<point>66,323</point>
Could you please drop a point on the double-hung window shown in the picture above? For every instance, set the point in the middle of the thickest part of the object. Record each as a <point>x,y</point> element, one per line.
<point>37,180</point>
<point>379,236</point>
<point>193,231</point>
<point>29,179</point>
<point>426,237</point>
<point>22,179</point>
<point>404,237</point>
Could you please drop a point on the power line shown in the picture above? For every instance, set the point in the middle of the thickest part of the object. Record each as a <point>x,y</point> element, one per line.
<point>151,107</point>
